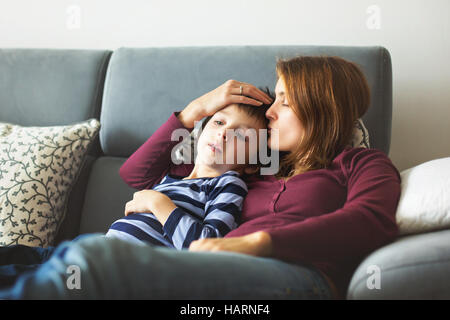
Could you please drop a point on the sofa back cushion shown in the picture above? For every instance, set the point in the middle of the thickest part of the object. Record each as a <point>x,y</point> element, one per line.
<point>47,87</point>
<point>144,86</point>
<point>51,87</point>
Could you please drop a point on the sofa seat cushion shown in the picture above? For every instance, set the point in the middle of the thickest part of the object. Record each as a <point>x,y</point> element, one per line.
<point>413,267</point>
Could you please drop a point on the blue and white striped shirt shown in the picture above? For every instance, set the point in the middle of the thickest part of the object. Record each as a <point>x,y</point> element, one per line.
<point>206,208</point>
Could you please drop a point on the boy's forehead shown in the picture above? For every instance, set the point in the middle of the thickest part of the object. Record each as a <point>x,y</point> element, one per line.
<point>230,110</point>
<point>239,117</point>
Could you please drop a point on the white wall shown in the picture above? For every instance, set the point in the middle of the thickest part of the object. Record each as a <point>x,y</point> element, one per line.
<point>414,31</point>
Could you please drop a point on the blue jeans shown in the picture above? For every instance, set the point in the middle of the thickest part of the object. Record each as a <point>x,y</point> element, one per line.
<point>110,268</point>
<point>18,259</point>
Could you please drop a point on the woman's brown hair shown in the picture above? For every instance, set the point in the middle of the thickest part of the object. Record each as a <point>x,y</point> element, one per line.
<point>328,94</point>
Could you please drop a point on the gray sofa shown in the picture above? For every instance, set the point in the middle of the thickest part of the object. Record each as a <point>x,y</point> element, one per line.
<point>133,91</point>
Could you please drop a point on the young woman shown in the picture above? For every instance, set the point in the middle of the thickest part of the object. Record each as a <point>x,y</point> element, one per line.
<point>329,205</point>
<point>303,231</point>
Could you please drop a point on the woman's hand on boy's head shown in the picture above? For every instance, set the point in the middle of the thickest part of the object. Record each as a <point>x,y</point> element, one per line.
<point>230,92</point>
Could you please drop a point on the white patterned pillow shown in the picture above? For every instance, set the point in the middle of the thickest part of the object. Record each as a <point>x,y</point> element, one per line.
<point>38,168</point>
<point>360,139</point>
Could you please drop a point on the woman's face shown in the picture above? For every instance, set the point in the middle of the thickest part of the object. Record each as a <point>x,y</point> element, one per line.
<point>282,118</point>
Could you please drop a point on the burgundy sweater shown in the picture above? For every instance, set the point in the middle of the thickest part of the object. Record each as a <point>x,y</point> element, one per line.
<point>326,218</point>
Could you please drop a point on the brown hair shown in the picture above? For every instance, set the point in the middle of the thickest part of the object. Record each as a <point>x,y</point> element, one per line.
<point>258,113</point>
<point>328,94</point>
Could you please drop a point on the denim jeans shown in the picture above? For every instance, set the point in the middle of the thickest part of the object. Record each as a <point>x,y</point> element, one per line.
<point>110,268</point>
<point>16,260</point>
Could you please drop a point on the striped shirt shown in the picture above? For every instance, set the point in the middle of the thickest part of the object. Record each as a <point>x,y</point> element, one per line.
<point>206,208</point>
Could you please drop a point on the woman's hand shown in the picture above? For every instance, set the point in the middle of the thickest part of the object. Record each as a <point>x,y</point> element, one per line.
<point>255,244</point>
<point>224,95</point>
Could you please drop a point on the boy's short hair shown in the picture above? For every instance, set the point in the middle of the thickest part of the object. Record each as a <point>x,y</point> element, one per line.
<point>259,113</point>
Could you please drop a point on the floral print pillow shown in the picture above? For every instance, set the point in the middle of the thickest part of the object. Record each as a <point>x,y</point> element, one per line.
<point>38,168</point>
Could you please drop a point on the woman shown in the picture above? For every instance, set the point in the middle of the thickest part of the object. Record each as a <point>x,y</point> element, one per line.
<point>329,205</point>
<point>303,231</point>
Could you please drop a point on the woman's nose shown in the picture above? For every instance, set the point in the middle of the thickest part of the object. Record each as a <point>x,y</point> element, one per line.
<point>270,113</point>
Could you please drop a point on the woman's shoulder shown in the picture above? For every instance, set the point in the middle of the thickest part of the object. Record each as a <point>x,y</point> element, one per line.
<point>357,153</point>
<point>352,154</point>
<point>355,160</point>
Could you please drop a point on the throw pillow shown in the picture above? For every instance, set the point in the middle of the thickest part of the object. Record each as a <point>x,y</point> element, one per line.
<point>360,135</point>
<point>425,199</point>
<point>38,168</point>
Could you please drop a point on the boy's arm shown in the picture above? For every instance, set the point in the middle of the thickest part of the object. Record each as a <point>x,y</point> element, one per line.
<point>221,213</point>
<point>163,208</point>
<point>151,200</point>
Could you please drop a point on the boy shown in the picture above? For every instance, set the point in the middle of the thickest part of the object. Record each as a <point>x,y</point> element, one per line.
<point>208,202</point>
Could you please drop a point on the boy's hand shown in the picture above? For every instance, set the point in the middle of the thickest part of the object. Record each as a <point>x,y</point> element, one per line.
<point>151,201</point>
<point>143,201</point>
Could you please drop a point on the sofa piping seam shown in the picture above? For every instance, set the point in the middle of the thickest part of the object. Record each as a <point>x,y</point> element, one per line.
<point>402,266</point>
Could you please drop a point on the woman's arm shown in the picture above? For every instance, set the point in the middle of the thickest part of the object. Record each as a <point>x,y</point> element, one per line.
<point>365,222</point>
<point>152,161</point>
<point>256,244</point>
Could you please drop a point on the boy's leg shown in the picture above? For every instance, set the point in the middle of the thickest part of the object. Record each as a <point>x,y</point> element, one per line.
<point>114,269</point>
<point>15,260</point>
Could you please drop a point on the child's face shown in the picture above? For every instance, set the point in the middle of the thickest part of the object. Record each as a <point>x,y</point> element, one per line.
<point>229,140</point>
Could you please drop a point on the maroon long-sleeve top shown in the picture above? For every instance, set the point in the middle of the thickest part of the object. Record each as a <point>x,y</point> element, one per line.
<point>326,218</point>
